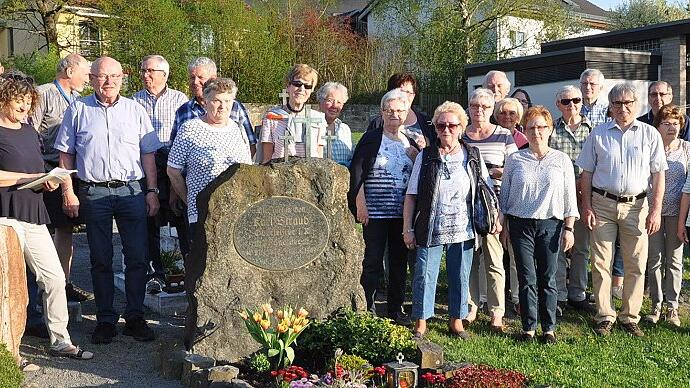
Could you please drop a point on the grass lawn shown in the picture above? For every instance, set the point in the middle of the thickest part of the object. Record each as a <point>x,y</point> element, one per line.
<point>580,358</point>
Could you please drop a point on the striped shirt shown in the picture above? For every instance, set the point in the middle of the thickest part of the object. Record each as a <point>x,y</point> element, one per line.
<point>193,110</point>
<point>570,142</point>
<point>596,113</point>
<point>494,149</point>
<point>621,162</point>
<point>386,184</point>
<point>161,110</point>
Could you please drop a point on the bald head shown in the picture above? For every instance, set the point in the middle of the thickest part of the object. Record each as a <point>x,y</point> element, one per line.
<point>106,79</point>
<point>498,83</point>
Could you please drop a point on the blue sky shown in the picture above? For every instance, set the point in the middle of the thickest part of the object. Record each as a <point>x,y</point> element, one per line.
<point>605,4</point>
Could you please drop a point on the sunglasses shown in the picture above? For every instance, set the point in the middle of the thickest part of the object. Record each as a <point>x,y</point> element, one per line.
<point>299,84</point>
<point>17,77</point>
<point>442,126</point>
<point>567,101</point>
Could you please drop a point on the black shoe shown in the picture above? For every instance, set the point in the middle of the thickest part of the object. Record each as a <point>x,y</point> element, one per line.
<point>38,331</point>
<point>525,337</point>
<point>76,294</point>
<point>400,318</point>
<point>603,328</point>
<point>582,306</point>
<point>104,333</point>
<point>549,338</point>
<point>139,329</point>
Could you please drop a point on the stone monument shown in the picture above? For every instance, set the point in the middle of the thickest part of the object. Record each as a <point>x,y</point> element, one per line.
<point>13,293</point>
<point>279,233</point>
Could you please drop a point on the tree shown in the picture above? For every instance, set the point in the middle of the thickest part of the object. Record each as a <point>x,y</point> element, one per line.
<point>639,13</point>
<point>440,37</point>
<point>36,16</point>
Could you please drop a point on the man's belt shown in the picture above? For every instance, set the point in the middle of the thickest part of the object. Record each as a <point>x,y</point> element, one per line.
<point>110,184</point>
<point>617,198</point>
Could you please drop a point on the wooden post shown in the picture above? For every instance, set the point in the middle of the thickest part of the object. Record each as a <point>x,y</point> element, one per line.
<point>14,296</point>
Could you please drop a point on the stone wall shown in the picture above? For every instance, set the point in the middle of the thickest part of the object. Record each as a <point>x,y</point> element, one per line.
<point>357,116</point>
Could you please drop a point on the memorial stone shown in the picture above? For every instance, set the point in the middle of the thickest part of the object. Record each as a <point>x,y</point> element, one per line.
<point>13,292</point>
<point>279,233</point>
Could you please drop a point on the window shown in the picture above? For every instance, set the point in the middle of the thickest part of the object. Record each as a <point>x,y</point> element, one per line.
<point>89,40</point>
<point>517,38</point>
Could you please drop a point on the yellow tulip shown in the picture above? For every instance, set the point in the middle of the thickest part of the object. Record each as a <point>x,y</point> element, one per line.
<point>302,313</point>
<point>257,317</point>
<point>297,328</point>
<point>265,324</point>
<point>282,328</point>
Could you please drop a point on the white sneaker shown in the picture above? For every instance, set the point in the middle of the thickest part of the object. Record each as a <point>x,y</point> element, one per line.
<point>617,292</point>
<point>654,316</point>
<point>672,317</point>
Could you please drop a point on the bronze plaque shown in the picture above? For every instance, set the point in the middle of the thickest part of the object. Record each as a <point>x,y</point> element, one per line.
<point>281,233</point>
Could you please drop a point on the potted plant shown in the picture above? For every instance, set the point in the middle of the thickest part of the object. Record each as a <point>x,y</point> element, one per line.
<point>173,265</point>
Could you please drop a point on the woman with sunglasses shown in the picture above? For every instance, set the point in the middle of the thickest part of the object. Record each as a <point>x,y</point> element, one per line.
<point>23,210</point>
<point>569,135</point>
<point>540,208</point>
<point>279,127</point>
<point>437,218</point>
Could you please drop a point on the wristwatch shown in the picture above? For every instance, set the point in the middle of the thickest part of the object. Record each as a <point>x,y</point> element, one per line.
<point>568,228</point>
<point>153,190</point>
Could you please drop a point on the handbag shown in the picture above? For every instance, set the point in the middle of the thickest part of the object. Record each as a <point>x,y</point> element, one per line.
<point>484,202</point>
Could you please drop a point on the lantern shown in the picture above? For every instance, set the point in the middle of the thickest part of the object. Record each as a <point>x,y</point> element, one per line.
<point>401,374</point>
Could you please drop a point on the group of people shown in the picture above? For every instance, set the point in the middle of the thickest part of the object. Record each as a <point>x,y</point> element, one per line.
<point>597,179</point>
<point>597,182</point>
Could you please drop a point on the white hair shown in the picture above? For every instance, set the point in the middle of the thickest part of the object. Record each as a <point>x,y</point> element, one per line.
<point>395,94</point>
<point>162,63</point>
<point>328,87</point>
<point>204,62</point>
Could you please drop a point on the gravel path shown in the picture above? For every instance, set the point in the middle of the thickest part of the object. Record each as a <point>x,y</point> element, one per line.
<point>123,363</point>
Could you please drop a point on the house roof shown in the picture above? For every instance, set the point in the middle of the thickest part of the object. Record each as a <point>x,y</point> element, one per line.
<point>630,35</point>
<point>346,6</point>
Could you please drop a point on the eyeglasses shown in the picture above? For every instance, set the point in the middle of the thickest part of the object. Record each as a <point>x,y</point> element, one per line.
<point>442,126</point>
<point>670,124</point>
<point>588,84</point>
<point>567,101</point>
<point>659,94</point>
<point>480,106</point>
<point>391,112</point>
<point>538,128</point>
<point>410,92</point>
<point>147,71</point>
<point>619,104</point>
<point>103,77</point>
<point>333,101</point>
<point>299,84</point>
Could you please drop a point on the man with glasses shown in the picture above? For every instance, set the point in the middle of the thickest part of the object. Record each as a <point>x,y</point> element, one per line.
<point>109,139</point>
<point>161,102</point>
<point>591,83</point>
<point>621,160</point>
<point>660,93</point>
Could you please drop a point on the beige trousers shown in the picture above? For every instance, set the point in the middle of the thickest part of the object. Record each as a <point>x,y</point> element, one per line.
<point>628,221</point>
<point>492,256</point>
<point>42,259</point>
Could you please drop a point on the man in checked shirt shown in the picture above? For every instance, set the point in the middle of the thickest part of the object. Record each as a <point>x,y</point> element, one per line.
<point>161,102</point>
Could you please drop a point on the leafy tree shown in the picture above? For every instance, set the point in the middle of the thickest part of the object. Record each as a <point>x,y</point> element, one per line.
<point>145,27</point>
<point>639,13</point>
<point>440,37</point>
<point>36,16</point>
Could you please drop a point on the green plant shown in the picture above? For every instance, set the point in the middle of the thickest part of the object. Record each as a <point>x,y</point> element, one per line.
<point>276,333</point>
<point>10,375</point>
<point>170,261</point>
<point>363,334</point>
<point>41,66</point>
<point>352,362</point>
<point>259,363</point>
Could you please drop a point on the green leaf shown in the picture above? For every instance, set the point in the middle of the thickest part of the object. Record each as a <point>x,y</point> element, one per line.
<point>290,354</point>
<point>273,352</point>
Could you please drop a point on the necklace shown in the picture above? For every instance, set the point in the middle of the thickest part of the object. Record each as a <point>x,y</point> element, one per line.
<point>287,104</point>
<point>540,158</point>
<point>447,155</point>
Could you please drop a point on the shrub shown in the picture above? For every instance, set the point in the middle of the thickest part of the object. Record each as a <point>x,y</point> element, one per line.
<point>375,339</point>
<point>39,65</point>
<point>10,375</point>
<point>260,363</point>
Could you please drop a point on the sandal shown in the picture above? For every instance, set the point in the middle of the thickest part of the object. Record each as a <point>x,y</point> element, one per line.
<point>74,352</point>
<point>27,366</point>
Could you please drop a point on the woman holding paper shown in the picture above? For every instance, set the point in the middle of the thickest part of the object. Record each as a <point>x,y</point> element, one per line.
<point>24,211</point>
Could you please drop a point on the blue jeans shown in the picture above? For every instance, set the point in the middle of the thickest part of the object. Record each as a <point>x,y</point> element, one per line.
<point>33,316</point>
<point>617,260</point>
<point>127,205</point>
<point>536,244</point>
<point>458,265</point>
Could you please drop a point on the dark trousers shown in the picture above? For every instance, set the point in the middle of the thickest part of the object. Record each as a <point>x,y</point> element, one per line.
<point>34,317</point>
<point>127,205</point>
<point>377,234</point>
<point>536,244</point>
